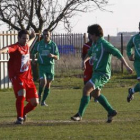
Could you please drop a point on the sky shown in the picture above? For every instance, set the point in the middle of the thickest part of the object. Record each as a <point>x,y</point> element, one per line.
<point>124,17</point>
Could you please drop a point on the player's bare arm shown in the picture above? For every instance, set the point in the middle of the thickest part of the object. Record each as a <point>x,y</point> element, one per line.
<point>84,62</point>
<point>4,50</point>
<point>129,69</point>
<point>32,36</point>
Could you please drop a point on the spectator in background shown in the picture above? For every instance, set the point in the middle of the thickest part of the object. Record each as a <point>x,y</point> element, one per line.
<point>19,69</point>
<point>100,52</point>
<point>133,53</point>
<point>47,52</point>
<point>88,70</point>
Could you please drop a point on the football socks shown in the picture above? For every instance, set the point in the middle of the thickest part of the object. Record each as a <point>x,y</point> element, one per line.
<point>137,87</point>
<point>29,107</point>
<point>40,91</point>
<point>20,106</point>
<point>83,105</point>
<point>46,93</point>
<point>104,102</point>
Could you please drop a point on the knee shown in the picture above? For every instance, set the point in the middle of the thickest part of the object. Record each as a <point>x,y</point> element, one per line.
<point>35,102</point>
<point>42,82</point>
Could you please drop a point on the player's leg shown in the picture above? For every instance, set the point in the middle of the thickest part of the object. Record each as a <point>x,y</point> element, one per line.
<point>99,81</point>
<point>133,90</point>
<point>136,88</point>
<point>30,106</point>
<point>88,88</point>
<point>50,78</point>
<point>31,98</point>
<point>20,94</point>
<point>20,105</point>
<point>104,102</point>
<point>42,81</point>
<point>87,77</point>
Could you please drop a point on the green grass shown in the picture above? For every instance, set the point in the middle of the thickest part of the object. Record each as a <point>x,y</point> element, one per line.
<point>53,122</point>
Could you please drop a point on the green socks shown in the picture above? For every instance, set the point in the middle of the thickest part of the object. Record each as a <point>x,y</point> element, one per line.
<point>103,101</point>
<point>46,93</point>
<point>40,91</point>
<point>137,87</point>
<point>83,105</point>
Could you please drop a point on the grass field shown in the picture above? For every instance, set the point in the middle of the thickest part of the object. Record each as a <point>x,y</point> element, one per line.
<point>53,122</point>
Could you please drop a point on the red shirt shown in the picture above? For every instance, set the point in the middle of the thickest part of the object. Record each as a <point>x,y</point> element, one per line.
<point>19,62</point>
<point>88,70</point>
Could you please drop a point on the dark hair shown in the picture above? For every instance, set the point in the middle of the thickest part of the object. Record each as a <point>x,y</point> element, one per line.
<point>46,30</point>
<point>139,24</point>
<point>95,29</point>
<point>21,32</point>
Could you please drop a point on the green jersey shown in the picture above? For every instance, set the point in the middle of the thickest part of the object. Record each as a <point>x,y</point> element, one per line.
<point>134,44</point>
<point>101,53</point>
<point>43,50</point>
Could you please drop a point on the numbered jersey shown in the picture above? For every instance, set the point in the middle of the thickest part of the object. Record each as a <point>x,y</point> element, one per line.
<point>19,62</point>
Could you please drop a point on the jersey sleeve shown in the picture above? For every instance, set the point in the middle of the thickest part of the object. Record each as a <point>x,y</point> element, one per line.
<point>12,48</point>
<point>113,50</point>
<point>129,47</point>
<point>55,50</point>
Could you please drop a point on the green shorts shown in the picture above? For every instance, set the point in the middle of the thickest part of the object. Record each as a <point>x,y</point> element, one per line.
<point>44,73</point>
<point>137,68</point>
<point>99,80</point>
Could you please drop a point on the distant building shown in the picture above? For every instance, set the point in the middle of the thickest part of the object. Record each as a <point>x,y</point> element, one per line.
<point>126,33</point>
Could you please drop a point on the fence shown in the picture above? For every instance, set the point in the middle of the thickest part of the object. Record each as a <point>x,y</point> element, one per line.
<point>69,45</point>
<point>6,38</point>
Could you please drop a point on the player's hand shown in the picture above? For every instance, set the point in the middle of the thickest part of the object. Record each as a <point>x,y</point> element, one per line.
<point>131,58</point>
<point>51,55</point>
<point>32,33</point>
<point>83,65</point>
<point>130,70</point>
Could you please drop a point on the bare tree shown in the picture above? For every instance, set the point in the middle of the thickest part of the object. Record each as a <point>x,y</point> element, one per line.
<point>39,14</point>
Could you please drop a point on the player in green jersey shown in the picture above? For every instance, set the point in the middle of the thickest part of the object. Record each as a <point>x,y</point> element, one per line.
<point>47,52</point>
<point>133,53</point>
<point>100,52</point>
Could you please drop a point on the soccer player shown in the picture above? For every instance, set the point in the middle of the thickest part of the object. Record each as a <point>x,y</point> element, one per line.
<point>88,70</point>
<point>133,53</point>
<point>47,52</point>
<point>19,69</point>
<point>101,52</point>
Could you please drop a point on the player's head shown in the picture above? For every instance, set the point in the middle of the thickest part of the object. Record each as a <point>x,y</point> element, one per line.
<point>46,35</point>
<point>23,37</point>
<point>95,29</point>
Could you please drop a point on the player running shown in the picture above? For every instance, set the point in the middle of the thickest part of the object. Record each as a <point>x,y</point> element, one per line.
<point>101,52</point>
<point>47,52</point>
<point>89,65</point>
<point>19,69</point>
<point>133,53</point>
